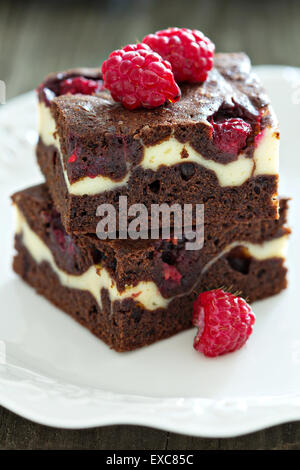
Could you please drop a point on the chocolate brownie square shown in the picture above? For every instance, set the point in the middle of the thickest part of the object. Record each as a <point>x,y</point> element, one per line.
<point>92,150</point>
<point>133,293</point>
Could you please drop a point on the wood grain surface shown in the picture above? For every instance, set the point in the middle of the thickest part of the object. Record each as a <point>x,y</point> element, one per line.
<point>38,37</point>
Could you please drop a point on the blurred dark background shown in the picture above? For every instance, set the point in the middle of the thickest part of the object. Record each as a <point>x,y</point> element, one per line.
<point>37,37</point>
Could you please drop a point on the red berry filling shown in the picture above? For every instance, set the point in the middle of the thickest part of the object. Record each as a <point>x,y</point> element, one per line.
<point>230,135</point>
<point>62,244</point>
<point>60,238</point>
<point>171,273</point>
<point>224,322</point>
<point>258,138</point>
<point>189,52</point>
<point>85,86</point>
<point>138,77</point>
<point>72,158</point>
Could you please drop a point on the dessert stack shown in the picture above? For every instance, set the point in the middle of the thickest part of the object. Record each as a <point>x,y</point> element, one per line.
<point>157,131</point>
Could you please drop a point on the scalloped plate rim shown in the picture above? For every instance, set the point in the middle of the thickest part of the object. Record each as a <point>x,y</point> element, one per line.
<point>283,408</point>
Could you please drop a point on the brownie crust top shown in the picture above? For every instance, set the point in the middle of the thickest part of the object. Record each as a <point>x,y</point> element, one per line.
<point>231,88</point>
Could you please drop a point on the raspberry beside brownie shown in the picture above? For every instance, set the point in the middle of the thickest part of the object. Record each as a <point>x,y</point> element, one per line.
<point>217,145</point>
<point>134,293</point>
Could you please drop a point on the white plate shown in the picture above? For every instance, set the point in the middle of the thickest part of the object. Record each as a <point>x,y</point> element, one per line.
<point>55,372</point>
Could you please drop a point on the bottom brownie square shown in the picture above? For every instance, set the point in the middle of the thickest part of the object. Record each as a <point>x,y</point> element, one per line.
<point>130,294</point>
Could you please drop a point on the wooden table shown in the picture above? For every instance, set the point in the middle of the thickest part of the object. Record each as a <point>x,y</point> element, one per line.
<point>40,37</point>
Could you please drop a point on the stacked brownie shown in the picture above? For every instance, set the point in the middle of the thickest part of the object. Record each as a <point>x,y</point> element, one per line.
<point>92,150</point>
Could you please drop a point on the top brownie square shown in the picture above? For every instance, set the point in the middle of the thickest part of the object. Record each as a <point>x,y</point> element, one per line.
<point>93,150</point>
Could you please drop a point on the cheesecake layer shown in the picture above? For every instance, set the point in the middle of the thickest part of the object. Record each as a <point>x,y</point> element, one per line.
<point>183,183</point>
<point>129,262</point>
<point>150,271</point>
<point>169,152</point>
<point>147,294</point>
<point>94,279</point>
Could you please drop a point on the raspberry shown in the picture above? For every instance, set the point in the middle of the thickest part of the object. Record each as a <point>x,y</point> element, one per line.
<point>82,85</point>
<point>224,322</point>
<point>230,135</point>
<point>189,52</point>
<point>138,77</point>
